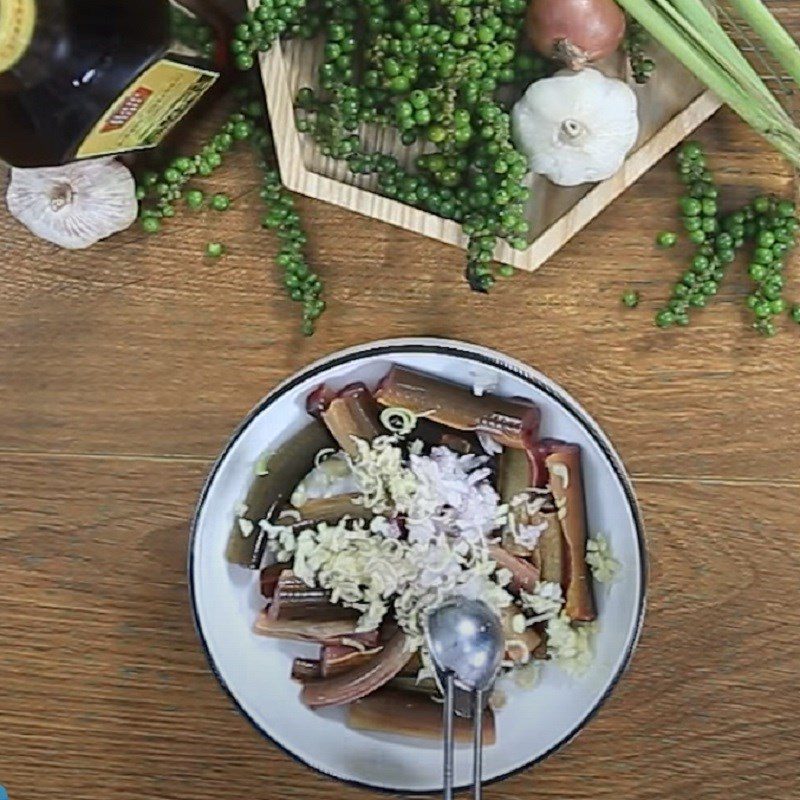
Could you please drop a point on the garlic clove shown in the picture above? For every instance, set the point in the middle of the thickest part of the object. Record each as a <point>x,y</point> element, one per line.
<point>75,205</point>
<point>576,127</point>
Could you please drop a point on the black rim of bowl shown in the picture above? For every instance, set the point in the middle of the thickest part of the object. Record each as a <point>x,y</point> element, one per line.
<point>481,356</point>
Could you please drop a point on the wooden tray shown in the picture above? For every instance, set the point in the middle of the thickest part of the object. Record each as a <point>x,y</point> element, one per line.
<point>671,106</point>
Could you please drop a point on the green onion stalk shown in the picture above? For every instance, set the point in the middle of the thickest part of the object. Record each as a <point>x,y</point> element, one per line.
<point>692,34</point>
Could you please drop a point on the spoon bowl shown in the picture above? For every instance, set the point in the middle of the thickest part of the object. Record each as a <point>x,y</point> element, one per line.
<point>465,638</point>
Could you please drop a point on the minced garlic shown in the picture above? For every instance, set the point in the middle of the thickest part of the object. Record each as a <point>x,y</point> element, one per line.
<point>604,566</point>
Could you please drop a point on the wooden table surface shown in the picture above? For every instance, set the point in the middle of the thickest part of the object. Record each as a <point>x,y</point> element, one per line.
<point>124,368</point>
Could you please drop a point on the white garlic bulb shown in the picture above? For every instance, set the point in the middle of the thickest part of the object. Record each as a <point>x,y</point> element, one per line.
<point>576,127</point>
<point>76,205</point>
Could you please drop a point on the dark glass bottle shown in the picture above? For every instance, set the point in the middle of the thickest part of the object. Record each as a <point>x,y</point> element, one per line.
<point>83,78</point>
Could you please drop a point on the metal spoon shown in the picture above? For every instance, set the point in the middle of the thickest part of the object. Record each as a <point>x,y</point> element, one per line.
<point>466,643</point>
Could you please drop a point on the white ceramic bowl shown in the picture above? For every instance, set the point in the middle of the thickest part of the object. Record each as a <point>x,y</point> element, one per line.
<point>254,670</point>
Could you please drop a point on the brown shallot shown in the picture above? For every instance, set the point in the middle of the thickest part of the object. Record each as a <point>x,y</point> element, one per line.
<point>575,32</point>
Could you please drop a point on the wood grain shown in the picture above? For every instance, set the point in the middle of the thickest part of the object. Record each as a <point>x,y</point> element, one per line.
<point>124,368</point>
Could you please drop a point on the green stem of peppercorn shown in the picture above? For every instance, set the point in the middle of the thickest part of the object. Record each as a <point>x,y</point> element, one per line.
<point>302,285</point>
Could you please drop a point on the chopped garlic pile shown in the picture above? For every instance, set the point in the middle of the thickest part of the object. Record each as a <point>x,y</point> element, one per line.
<point>598,556</point>
<point>570,645</point>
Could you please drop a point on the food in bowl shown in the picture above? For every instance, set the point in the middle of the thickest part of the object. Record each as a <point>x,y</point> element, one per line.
<point>396,497</point>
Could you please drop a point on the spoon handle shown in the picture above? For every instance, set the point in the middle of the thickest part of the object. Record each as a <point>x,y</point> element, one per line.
<point>477,755</point>
<point>449,692</point>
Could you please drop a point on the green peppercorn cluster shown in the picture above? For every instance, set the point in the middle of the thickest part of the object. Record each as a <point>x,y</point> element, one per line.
<point>772,224</point>
<point>431,71</point>
<point>636,39</point>
<point>767,222</point>
<point>302,285</point>
<point>158,192</point>
<point>707,268</point>
<point>191,31</point>
<point>263,25</point>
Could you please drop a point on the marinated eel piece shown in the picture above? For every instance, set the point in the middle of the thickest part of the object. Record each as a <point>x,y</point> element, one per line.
<point>550,549</point>
<point>339,658</point>
<point>512,423</point>
<point>352,413</point>
<point>411,714</point>
<point>306,669</point>
<point>270,575</point>
<point>309,630</point>
<point>332,509</point>
<point>524,575</point>
<point>566,484</point>
<point>285,468</point>
<point>303,630</point>
<point>514,479</point>
<point>294,600</point>
<point>358,682</point>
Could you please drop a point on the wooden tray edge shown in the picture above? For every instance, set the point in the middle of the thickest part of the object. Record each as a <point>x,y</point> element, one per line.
<point>303,181</point>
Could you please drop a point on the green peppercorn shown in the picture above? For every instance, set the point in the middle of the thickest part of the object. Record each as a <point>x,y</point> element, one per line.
<point>630,298</point>
<point>195,199</point>
<point>709,207</point>
<point>757,272</point>
<point>766,238</point>
<point>691,151</point>
<point>700,263</point>
<point>690,206</point>
<point>665,318</point>
<point>220,202</point>
<point>666,239</point>
<point>242,130</point>
<point>244,61</point>
<point>777,306</point>
<point>692,223</point>
<point>762,309</point>
<point>763,255</point>
<point>761,205</point>
<point>151,224</point>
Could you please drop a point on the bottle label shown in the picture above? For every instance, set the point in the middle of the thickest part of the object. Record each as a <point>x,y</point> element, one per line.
<point>149,108</point>
<point>17,21</point>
